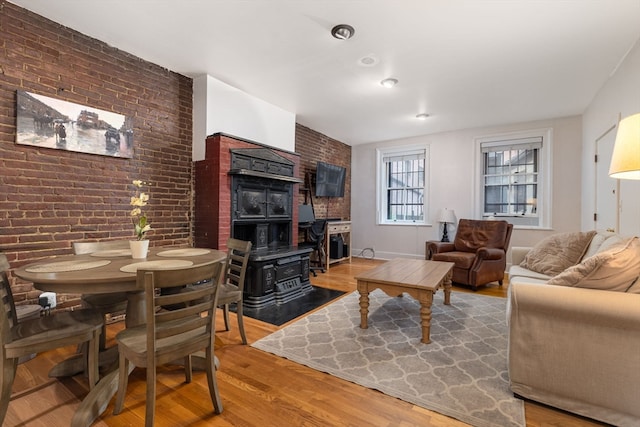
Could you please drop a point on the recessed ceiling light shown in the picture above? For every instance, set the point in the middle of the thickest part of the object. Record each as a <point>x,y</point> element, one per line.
<point>422,116</point>
<point>368,61</point>
<point>343,31</point>
<point>389,82</point>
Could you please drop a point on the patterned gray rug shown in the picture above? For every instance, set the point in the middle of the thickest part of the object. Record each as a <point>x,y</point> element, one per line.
<point>462,373</point>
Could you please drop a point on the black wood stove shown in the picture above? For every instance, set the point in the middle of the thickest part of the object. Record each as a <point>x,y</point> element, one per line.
<point>261,212</point>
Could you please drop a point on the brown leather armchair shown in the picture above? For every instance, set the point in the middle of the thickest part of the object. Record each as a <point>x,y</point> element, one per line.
<point>478,251</point>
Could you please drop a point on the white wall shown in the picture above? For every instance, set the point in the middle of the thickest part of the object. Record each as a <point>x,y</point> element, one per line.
<point>619,97</point>
<point>451,185</point>
<point>218,107</point>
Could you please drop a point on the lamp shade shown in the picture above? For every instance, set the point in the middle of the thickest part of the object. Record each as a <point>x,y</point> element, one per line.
<point>447,216</point>
<point>625,162</point>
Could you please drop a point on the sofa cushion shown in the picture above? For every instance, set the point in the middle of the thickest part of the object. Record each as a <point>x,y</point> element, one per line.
<point>517,271</point>
<point>462,260</point>
<point>635,287</point>
<point>528,279</point>
<point>614,269</point>
<point>554,254</point>
<point>602,241</point>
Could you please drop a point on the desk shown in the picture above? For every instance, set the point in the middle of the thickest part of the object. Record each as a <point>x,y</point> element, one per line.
<point>419,278</point>
<point>104,279</point>
<point>338,228</point>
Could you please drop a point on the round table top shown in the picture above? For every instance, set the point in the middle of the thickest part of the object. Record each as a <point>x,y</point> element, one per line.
<point>109,271</point>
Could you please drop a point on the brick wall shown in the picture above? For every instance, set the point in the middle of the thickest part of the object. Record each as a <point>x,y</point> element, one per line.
<point>49,197</point>
<point>213,189</point>
<point>314,147</point>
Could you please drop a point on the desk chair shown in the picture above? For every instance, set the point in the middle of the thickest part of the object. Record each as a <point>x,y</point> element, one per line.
<point>60,329</point>
<point>315,234</point>
<point>168,335</point>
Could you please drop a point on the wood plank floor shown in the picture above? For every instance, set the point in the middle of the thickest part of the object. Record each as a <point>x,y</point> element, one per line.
<point>257,388</point>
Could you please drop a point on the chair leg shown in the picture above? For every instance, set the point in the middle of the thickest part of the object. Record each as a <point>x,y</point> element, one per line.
<point>151,396</point>
<point>123,379</point>
<point>213,382</point>
<point>225,309</point>
<point>240,317</point>
<point>103,339</point>
<point>103,335</point>
<point>8,372</point>
<point>188,371</point>
<point>93,360</point>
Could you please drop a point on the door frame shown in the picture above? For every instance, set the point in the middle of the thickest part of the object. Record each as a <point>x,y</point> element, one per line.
<point>597,177</point>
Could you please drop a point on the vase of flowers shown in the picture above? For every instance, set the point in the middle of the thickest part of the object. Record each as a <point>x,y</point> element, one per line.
<point>139,200</point>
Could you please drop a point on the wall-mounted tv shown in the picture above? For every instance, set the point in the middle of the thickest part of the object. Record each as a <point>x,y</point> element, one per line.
<point>330,180</point>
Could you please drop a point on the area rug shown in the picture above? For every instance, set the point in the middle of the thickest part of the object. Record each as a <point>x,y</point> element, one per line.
<point>462,373</point>
<point>280,314</point>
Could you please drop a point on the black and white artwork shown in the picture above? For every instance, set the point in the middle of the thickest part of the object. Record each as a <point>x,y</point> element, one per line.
<point>53,123</point>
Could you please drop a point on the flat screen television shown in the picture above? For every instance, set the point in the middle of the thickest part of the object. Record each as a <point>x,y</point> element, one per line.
<point>330,180</point>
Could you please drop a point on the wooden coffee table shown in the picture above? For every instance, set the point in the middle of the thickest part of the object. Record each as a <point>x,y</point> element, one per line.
<point>418,278</point>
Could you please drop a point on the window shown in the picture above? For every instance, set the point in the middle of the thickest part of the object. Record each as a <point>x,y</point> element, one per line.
<point>402,186</point>
<point>513,185</point>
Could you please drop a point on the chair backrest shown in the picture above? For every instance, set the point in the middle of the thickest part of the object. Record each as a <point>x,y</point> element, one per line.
<point>317,231</point>
<point>80,248</point>
<point>9,318</point>
<point>192,317</point>
<point>305,214</point>
<point>235,267</point>
<point>474,234</point>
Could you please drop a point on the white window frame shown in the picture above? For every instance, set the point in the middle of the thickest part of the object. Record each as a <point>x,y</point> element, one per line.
<point>381,186</point>
<point>543,211</point>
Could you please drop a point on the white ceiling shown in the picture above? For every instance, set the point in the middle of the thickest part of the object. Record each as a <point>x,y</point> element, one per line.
<point>467,63</point>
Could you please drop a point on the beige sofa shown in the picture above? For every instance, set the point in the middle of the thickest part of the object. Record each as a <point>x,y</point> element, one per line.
<point>576,347</point>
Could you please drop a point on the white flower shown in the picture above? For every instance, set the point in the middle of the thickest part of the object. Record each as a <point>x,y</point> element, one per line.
<point>139,200</point>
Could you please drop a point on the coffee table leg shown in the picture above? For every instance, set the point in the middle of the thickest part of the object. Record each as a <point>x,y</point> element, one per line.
<point>426,299</point>
<point>447,288</point>
<point>364,308</point>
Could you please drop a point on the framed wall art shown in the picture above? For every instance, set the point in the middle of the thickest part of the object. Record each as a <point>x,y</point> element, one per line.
<point>53,123</point>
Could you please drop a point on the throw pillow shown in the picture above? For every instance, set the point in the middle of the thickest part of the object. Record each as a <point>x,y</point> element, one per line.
<point>615,269</point>
<point>554,254</point>
<point>603,240</point>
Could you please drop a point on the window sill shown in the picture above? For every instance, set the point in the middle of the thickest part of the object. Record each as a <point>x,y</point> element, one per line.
<point>411,224</point>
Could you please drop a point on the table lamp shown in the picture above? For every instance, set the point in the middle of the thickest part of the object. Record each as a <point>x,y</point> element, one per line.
<point>625,162</point>
<point>446,216</point>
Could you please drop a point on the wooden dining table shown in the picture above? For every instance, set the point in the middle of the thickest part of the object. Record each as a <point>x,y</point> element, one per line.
<point>109,271</point>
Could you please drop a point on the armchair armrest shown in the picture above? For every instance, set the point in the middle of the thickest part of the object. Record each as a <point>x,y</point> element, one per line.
<point>439,247</point>
<point>433,247</point>
<point>490,254</point>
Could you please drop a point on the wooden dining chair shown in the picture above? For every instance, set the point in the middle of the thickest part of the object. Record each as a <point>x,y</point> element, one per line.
<point>170,335</point>
<point>232,289</point>
<point>105,304</point>
<point>56,330</point>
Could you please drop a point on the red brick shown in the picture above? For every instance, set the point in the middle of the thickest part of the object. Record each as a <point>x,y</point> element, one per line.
<point>52,197</point>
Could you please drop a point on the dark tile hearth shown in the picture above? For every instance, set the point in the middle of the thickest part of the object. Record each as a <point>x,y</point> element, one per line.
<point>279,314</point>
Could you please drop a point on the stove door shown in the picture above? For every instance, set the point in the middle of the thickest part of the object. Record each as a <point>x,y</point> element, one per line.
<point>279,203</point>
<point>251,203</point>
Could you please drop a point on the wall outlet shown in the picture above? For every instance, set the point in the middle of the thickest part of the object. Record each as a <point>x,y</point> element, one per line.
<point>47,300</point>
